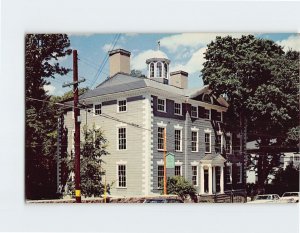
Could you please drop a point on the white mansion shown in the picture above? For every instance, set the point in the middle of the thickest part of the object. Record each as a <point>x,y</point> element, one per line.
<point>133,113</point>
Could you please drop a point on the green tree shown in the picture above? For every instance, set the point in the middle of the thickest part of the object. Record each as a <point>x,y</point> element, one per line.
<point>42,53</point>
<point>177,185</point>
<point>286,180</point>
<point>137,73</point>
<point>260,82</point>
<point>92,149</point>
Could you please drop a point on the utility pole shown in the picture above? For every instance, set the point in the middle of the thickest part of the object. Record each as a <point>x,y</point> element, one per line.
<point>77,125</point>
<point>165,161</point>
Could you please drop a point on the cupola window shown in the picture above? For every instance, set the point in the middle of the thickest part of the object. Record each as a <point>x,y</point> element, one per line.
<point>151,70</point>
<point>165,70</point>
<point>159,69</point>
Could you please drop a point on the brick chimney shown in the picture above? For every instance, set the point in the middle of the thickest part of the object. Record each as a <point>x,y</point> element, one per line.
<point>179,79</point>
<point>119,62</point>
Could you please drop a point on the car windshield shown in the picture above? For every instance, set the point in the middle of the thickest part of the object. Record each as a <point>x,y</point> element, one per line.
<point>290,195</point>
<point>263,197</point>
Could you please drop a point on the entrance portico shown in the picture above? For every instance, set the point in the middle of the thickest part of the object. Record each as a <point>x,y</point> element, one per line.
<point>212,175</point>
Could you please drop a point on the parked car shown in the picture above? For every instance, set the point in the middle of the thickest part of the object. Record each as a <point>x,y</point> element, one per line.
<point>163,200</point>
<point>266,198</point>
<point>290,197</point>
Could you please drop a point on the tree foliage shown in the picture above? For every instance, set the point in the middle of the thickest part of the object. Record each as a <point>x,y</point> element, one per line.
<point>137,73</point>
<point>179,186</point>
<point>286,180</point>
<point>42,54</point>
<point>92,149</point>
<point>260,82</point>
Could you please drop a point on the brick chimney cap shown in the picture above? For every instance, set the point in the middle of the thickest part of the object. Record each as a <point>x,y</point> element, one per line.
<point>179,72</point>
<point>121,51</point>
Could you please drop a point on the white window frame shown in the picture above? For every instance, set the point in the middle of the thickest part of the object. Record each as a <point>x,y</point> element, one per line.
<point>209,114</point>
<point>221,142</point>
<point>159,70</point>
<point>121,163</point>
<point>164,128</point>
<point>240,173</point>
<point>180,169</point>
<point>180,141</point>
<point>229,165</point>
<point>158,183</point>
<point>180,110</point>
<point>151,64</point>
<point>221,116</point>
<point>207,132</point>
<point>165,103</point>
<point>118,105</point>
<point>94,108</point>
<point>229,135</point>
<point>197,140</point>
<point>197,181</point>
<point>118,139</point>
<point>197,113</point>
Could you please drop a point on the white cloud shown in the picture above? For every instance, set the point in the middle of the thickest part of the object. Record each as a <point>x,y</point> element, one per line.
<point>292,42</point>
<point>49,88</point>
<point>175,42</point>
<point>106,47</point>
<point>138,61</point>
<point>194,64</point>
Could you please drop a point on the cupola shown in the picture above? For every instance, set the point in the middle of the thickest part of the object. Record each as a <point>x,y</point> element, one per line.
<point>158,66</point>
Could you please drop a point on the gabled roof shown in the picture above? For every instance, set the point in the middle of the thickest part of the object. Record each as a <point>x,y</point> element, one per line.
<point>124,82</point>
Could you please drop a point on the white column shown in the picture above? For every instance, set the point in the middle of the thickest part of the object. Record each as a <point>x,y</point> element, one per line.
<point>210,180</point>
<point>201,180</point>
<point>214,189</point>
<point>221,179</point>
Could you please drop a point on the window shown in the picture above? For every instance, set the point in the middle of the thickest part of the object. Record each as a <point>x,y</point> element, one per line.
<point>218,143</point>
<point>98,109</point>
<point>240,172</point>
<point>194,175</point>
<point>165,70</point>
<point>219,116</point>
<point>206,113</point>
<point>151,70</point>
<point>228,175</point>
<point>122,176</point>
<point>178,141</point>
<point>194,141</point>
<point>194,112</point>
<point>228,145</point>
<point>296,158</point>
<point>158,69</point>
<point>122,138</point>
<point>122,105</point>
<point>161,105</point>
<point>160,176</point>
<point>177,170</point>
<point>207,143</point>
<point>177,108</point>
<point>160,138</point>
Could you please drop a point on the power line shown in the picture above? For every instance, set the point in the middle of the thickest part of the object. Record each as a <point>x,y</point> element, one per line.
<point>105,59</point>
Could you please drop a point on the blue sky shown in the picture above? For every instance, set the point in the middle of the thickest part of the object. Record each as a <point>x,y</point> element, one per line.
<point>185,50</point>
